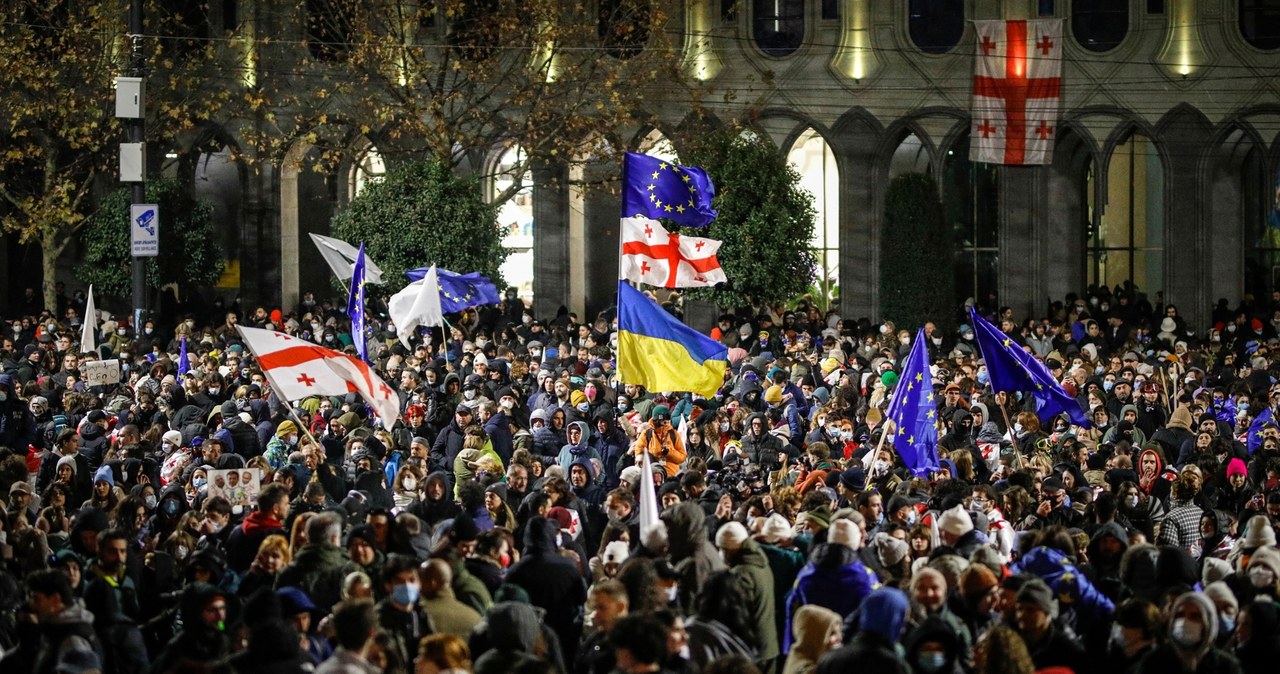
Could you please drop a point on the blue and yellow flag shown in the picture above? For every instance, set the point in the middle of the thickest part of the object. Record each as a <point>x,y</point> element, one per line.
<point>655,188</point>
<point>660,353</point>
<point>914,412</point>
<point>355,306</point>
<point>1013,369</point>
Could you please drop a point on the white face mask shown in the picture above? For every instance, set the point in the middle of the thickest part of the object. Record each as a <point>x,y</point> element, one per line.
<point>1131,501</point>
<point>1187,633</point>
<point>1261,576</point>
<point>410,484</point>
<point>506,404</point>
<point>481,343</point>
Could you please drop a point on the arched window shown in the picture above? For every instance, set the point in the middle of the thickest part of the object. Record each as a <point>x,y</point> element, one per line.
<point>513,181</point>
<point>778,26</point>
<point>1099,25</point>
<point>1260,23</point>
<point>329,29</point>
<point>935,26</point>
<point>971,205</point>
<point>624,27</point>
<point>370,169</point>
<point>813,159</point>
<point>1128,242</point>
<point>655,144</point>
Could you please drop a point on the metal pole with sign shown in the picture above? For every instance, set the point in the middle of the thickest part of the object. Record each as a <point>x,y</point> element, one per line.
<point>137,134</point>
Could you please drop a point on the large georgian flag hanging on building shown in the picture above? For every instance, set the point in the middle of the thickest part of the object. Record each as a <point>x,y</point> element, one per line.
<point>651,254</point>
<point>1017,85</point>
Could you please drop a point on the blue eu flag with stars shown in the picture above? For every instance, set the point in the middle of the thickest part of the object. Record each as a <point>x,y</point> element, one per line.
<point>655,189</point>
<point>1013,369</point>
<point>1255,429</point>
<point>355,306</point>
<point>914,412</point>
<point>459,292</point>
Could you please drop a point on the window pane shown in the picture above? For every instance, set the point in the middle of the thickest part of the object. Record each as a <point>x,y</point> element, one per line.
<point>1129,242</point>
<point>935,26</point>
<point>778,26</point>
<point>1260,23</point>
<point>515,217</point>
<point>1099,25</point>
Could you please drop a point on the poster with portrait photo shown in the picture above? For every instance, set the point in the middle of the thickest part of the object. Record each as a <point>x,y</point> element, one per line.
<point>240,486</point>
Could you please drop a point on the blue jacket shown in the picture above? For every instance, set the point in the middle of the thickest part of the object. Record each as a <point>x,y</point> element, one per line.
<point>1071,587</point>
<point>839,588</point>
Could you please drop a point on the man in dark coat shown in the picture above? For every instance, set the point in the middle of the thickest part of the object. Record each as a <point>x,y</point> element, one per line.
<point>551,580</point>
<point>449,442</point>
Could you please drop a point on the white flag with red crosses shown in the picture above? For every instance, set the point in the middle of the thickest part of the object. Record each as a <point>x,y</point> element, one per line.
<point>650,254</point>
<point>298,369</point>
<point>1017,87</point>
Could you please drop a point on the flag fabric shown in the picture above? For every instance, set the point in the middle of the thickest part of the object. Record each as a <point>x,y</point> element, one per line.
<point>88,331</point>
<point>662,354</point>
<point>1013,369</point>
<point>356,306</point>
<point>184,359</point>
<point>459,292</point>
<point>914,411</point>
<point>648,498</point>
<point>1017,90</point>
<point>655,188</point>
<point>1254,438</point>
<point>341,258</point>
<point>298,369</point>
<point>650,254</point>
<point>418,304</point>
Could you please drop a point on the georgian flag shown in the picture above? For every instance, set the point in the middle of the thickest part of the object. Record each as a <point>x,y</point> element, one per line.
<point>650,254</point>
<point>298,369</point>
<point>1017,89</point>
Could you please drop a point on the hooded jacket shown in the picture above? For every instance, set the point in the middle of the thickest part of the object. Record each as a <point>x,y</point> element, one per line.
<point>1203,656</point>
<point>70,629</point>
<point>318,569</point>
<point>1103,571</point>
<point>435,511</point>
<point>752,570</point>
<point>551,580</point>
<point>512,628</point>
<point>872,647</point>
<point>611,446</point>
<point>834,579</point>
<point>691,550</point>
<point>197,643</point>
<point>570,453</point>
<point>813,626</point>
<point>761,450</point>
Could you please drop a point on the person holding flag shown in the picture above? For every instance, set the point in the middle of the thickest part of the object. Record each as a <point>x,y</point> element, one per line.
<point>913,412</point>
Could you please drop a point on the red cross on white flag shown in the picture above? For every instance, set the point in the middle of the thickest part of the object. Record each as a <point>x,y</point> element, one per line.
<point>650,254</point>
<point>1017,86</point>
<point>298,369</point>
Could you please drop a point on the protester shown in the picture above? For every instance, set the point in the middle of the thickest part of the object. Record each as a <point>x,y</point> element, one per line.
<point>502,520</point>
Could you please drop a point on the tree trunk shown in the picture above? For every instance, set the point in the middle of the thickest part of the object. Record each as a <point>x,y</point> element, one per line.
<point>50,250</point>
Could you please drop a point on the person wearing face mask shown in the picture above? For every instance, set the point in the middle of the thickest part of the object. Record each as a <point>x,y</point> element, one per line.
<point>933,647</point>
<point>400,614</point>
<point>1192,629</point>
<point>1263,573</point>
<point>1135,633</point>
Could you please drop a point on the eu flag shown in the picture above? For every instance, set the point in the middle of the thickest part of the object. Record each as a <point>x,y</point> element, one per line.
<point>459,292</point>
<point>355,306</point>
<point>655,188</point>
<point>184,360</point>
<point>1254,438</point>
<point>1013,369</point>
<point>914,412</point>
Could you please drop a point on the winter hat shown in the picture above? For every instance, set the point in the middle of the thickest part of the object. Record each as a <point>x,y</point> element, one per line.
<point>561,516</point>
<point>631,475</point>
<point>773,394</point>
<point>889,549</point>
<point>577,397</point>
<point>1036,593</point>
<point>1257,533</point>
<point>66,461</point>
<point>955,521</point>
<point>286,428</point>
<point>889,378</point>
<point>775,529</point>
<point>616,553</point>
<point>104,474</point>
<point>1266,557</point>
<point>1168,325</point>
<point>661,413</point>
<point>846,533</point>
<point>538,415</point>
<point>464,529</point>
<point>1236,467</point>
<point>1218,592</point>
<point>853,478</point>
<point>1214,570</point>
<point>731,536</point>
<point>172,437</point>
<point>976,580</point>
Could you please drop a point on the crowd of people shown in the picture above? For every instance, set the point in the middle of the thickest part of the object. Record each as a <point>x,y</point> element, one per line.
<point>496,525</point>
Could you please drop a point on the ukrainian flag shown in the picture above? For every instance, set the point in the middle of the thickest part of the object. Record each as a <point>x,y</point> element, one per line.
<point>662,354</point>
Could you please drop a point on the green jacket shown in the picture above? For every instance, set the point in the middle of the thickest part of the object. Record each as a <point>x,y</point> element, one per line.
<point>752,569</point>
